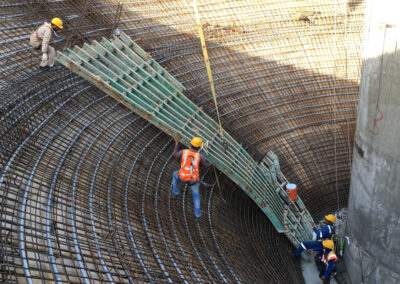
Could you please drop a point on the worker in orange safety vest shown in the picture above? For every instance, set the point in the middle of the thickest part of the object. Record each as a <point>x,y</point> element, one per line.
<point>189,172</point>
<point>327,262</point>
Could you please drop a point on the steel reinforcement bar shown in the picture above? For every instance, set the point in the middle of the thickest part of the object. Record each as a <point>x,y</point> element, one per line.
<point>123,70</point>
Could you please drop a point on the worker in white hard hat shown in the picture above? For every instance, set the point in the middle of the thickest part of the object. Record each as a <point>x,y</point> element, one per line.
<point>189,172</point>
<point>41,38</point>
<point>117,33</point>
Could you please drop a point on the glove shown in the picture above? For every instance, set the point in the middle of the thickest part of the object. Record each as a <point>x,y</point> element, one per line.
<point>45,57</point>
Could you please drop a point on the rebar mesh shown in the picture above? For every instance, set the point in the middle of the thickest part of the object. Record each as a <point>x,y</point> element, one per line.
<point>84,182</point>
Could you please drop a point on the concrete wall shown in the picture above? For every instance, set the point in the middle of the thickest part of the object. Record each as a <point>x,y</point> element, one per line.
<point>374,202</point>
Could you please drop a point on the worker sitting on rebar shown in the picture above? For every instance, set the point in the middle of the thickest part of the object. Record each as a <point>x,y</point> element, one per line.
<point>41,38</point>
<point>325,233</point>
<point>326,263</point>
<point>189,172</point>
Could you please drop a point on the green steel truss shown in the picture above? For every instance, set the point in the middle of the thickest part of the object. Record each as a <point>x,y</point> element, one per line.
<point>126,72</point>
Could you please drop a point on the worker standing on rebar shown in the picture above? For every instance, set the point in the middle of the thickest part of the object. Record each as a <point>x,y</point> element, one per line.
<point>325,233</point>
<point>189,172</point>
<point>327,263</point>
<point>41,38</point>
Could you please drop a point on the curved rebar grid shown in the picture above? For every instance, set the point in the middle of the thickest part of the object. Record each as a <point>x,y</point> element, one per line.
<point>283,84</point>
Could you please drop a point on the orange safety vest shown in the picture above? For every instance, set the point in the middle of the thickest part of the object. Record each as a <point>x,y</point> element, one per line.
<point>330,256</point>
<point>189,166</point>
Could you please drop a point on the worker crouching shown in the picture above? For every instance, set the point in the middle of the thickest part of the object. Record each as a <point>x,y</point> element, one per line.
<point>325,233</point>
<point>189,172</point>
<point>41,38</point>
<point>326,263</point>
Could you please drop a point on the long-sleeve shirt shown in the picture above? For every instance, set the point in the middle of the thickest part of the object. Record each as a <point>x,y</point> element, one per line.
<point>325,233</point>
<point>331,264</point>
<point>178,156</point>
<point>42,36</point>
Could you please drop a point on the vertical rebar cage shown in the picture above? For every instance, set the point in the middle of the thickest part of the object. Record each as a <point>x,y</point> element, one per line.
<point>84,181</point>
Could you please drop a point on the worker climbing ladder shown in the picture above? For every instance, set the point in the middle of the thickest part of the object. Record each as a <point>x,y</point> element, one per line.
<point>127,73</point>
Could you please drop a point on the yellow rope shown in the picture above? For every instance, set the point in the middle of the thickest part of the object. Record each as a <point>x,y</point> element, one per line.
<point>207,62</point>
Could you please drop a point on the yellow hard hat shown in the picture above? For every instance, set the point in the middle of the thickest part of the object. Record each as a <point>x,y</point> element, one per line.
<point>328,244</point>
<point>57,22</point>
<point>196,142</point>
<point>331,218</point>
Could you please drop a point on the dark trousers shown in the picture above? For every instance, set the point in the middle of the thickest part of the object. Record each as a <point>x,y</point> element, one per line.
<point>321,268</point>
<point>309,245</point>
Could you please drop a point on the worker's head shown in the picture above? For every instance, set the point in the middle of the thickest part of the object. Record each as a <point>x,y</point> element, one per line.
<point>328,244</point>
<point>57,24</point>
<point>330,219</point>
<point>117,33</point>
<point>196,142</point>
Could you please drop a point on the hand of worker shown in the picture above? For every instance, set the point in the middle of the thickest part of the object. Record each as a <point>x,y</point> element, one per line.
<point>310,251</point>
<point>323,277</point>
<point>312,224</point>
<point>45,57</point>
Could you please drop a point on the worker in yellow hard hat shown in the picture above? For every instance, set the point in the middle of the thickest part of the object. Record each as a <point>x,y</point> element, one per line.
<point>326,263</point>
<point>328,230</point>
<point>189,172</point>
<point>325,233</point>
<point>41,38</point>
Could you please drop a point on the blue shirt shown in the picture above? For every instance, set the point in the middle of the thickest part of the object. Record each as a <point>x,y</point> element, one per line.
<point>325,233</point>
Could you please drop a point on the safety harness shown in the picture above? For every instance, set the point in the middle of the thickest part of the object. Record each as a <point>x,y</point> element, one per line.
<point>330,256</point>
<point>37,36</point>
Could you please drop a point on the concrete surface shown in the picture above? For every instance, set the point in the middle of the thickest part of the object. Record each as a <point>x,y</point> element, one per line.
<point>374,201</point>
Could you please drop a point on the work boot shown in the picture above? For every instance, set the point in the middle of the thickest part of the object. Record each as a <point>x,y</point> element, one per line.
<point>44,68</point>
<point>196,219</point>
<point>294,256</point>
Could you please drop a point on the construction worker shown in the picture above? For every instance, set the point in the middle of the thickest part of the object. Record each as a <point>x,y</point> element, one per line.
<point>41,38</point>
<point>327,262</point>
<point>189,172</point>
<point>326,233</point>
<point>328,230</point>
<point>117,33</point>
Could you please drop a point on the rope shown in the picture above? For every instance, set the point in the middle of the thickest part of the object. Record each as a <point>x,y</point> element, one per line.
<point>335,108</point>
<point>207,62</point>
<point>346,76</point>
<point>219,188</point>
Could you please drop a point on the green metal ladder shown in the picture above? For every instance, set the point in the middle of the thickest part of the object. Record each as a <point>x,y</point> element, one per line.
<point>126,72</point>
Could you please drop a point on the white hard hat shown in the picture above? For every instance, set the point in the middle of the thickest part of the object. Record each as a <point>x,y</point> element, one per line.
<point>290,186</point>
